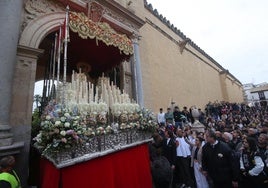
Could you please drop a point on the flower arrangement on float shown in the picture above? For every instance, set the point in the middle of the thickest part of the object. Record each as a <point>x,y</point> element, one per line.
<point>89,123</point>
<point>60,129</point>
<point>65,129</point>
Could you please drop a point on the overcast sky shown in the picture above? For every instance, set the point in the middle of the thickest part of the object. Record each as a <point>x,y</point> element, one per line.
<point>233,32</point>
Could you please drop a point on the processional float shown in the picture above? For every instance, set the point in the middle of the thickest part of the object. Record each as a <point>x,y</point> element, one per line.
<point>84,121</point>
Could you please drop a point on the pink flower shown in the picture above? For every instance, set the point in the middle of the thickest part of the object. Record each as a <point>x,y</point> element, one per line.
<point>64,140</point>
<point>70,132</point>
<point>75,136</point>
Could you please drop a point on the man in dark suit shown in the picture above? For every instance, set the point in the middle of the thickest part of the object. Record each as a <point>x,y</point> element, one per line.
<point>169,151</point>
<point>169,147</point>
<point>218,163</point>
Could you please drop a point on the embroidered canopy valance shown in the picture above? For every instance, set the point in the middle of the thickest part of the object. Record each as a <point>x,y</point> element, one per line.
<point>101,31</point>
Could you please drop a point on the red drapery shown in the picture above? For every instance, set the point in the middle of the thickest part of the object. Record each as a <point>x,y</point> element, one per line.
<point>127,168</point>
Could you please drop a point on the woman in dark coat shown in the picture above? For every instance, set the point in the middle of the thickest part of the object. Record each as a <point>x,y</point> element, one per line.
<point>251,164</point>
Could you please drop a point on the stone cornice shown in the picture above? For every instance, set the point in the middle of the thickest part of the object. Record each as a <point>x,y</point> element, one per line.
<point>13,149</point>
<point>29,52</point>
<point>122,11</point>
<point>177,43</point>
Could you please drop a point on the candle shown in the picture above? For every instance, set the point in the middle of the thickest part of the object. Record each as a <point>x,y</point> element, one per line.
<point>101,85</point>
<point>81,93</point>
<point>112,100</point>
<point>96,96</point>
<point>86,92</point>
<point>107,100</point>
<point>72,79</point>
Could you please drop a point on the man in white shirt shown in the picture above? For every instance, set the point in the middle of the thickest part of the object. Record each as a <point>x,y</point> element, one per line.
<point>183,160</point>
<point>161,118</point>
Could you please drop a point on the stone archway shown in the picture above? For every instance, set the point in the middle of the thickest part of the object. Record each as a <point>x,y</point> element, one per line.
<point>36,30</point>
<point>28,53</point>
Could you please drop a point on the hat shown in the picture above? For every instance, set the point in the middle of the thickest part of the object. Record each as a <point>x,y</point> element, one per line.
<point>7,161</point>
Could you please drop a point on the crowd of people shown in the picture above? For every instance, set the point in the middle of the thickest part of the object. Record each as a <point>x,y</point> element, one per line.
<point>231,152</point>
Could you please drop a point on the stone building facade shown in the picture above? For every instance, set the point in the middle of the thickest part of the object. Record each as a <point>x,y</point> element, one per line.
<point>171,75</point>
<point>166,65</point>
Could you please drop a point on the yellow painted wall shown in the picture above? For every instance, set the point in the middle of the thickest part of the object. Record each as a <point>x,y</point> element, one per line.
<point>167,74</point>
<point>234,90</point>
<point>188,78</point>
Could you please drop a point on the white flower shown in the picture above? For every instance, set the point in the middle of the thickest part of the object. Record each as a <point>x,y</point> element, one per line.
<point>76,118</point>
<point>67,115</point>
<point>48,117</point>
<point>67,124</point>
<point>38,138</point>
<point>57,123</point>
<point>63,119</point>
<point>108,128</point>
<point>101,128</point>
<point>220,155</point>
<point>63,133</point>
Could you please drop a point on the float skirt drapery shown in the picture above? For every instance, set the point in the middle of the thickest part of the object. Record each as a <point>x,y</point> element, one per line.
<point>127,168</point>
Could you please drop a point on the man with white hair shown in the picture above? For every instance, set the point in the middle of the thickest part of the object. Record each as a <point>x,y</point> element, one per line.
<point>253,133</point>
<point>218,163</point>
<point>227,138</point>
